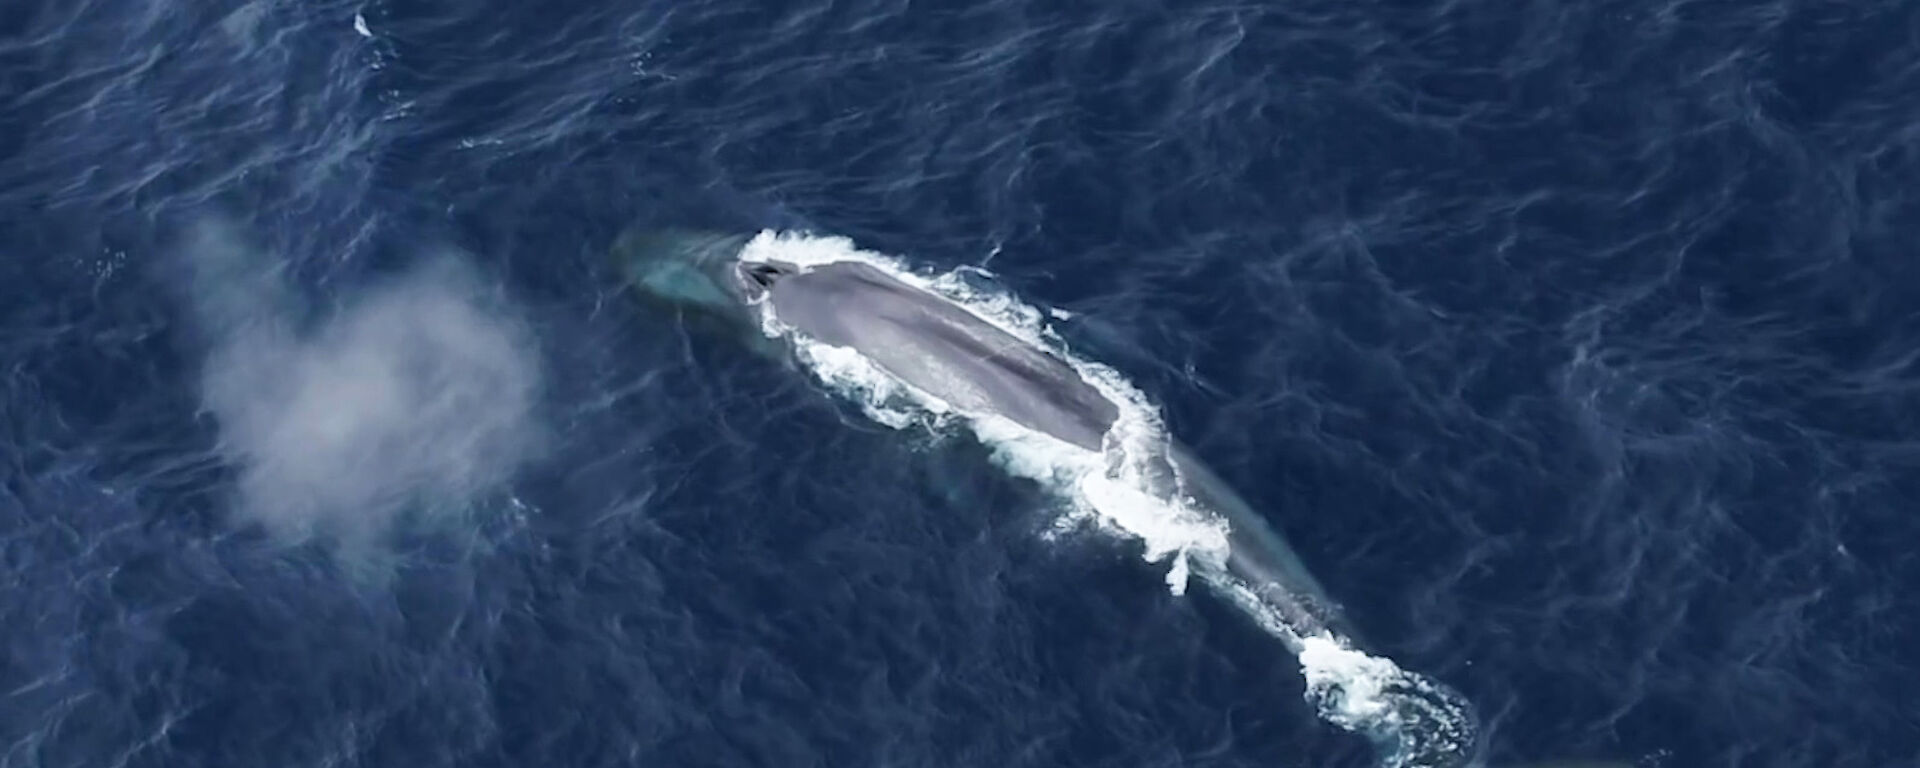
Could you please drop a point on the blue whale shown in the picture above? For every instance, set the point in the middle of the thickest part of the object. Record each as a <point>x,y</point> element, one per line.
<point>944,349</point>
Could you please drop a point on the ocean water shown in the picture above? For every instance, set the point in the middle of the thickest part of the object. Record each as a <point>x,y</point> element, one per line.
<point>1574,347</point>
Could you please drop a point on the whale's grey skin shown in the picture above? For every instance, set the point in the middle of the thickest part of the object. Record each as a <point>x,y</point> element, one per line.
<point>938,346</point>
<point>943,349</point>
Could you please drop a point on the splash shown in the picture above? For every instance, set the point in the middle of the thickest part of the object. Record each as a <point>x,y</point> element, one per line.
<point>411,400</point>
<point>1126,490</point>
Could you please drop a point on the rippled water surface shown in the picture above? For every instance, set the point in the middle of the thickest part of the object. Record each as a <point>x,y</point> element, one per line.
<point>1574,347</point>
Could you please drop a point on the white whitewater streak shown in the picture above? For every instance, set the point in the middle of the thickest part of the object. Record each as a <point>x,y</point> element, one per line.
<point>1416,722</point>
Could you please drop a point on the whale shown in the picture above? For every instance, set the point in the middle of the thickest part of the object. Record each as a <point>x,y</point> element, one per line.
<point>946,350</point>
<point>943,348</point>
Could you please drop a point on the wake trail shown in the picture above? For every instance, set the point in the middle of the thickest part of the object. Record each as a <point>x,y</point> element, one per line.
<point>1127,490</point>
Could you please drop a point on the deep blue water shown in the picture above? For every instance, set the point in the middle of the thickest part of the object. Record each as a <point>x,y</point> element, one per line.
<point>1574,345</point>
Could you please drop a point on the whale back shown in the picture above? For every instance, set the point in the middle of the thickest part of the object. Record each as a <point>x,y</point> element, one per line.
<point>944,349</point>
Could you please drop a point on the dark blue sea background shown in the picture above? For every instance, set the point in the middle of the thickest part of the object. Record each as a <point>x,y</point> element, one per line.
<point>1574,345</point>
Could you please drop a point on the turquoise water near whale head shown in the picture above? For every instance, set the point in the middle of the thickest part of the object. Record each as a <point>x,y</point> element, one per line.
<point>1571,347</point>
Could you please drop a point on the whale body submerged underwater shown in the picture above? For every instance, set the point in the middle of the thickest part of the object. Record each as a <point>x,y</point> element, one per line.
<point>954,356</point>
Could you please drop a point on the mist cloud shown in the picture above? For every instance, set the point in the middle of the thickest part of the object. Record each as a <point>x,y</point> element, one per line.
<point>413,399</point>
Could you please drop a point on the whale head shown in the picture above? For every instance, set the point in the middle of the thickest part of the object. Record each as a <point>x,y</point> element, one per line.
<point>695,270</point>
<point>699,277</point>
<point>682,268</point>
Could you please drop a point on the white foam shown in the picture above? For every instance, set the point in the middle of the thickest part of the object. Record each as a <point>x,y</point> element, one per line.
<point>883,398</point>
<point>1422,723</point>
<point>1348,685</point>
<point>1129,490</point>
